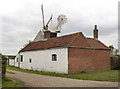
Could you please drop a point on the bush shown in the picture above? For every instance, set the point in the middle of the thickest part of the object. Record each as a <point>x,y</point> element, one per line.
<point>3,61</point>
<point>119,62</point>
<point>115,62</point>
<point>82,72</point>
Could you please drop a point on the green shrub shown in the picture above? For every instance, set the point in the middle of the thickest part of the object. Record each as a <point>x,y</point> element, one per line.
<point>3,61</point>
<point>119,62</point>
<point>115,62</point>
<point>82,72</point>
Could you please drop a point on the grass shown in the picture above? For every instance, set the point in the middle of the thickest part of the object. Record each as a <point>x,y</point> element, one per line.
<point>0,85</point>
<point>10,72</point>
<point>111,75</point>
<point>9,83</point>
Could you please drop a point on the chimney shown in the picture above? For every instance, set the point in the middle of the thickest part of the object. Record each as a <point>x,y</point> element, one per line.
<point>95,32</point>
<point>47,34</point>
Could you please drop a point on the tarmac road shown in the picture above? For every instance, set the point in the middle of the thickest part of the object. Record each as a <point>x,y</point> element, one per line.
<point>35,80</point>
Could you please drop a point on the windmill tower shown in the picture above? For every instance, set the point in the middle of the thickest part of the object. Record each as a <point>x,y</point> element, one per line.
<point>49,30</point>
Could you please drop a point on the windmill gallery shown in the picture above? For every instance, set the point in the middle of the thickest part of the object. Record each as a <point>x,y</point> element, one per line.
<point>66,54</point>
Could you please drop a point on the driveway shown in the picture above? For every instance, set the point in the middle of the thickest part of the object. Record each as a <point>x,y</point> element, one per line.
<point>35,80</point>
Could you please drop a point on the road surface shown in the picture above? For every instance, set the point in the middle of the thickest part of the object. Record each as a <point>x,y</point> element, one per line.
<point>35,80</point>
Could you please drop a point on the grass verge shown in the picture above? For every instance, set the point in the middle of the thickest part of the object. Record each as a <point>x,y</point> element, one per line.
<point>10,72</point>
<point>9,83</point>
<point>111,75</point>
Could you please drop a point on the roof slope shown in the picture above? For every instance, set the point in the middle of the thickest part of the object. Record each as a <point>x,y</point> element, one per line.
<point>96,43</point>
<point>76,40</point>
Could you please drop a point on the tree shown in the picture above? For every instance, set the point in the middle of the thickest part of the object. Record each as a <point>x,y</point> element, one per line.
<point>115,58</point>
<point>112,49</point>
<point>116,51</point>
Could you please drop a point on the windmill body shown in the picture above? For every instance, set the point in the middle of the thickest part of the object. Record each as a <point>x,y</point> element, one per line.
<point>39,36</point>
<point>50,30</point>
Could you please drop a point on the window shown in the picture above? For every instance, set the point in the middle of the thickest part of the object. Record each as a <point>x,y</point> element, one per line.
<point>54,57</point>
<point>21,58</point>
<point>30,60</point>
<point>17,59</point>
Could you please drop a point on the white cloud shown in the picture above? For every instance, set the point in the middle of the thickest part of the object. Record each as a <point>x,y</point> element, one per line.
<point>21,19</point>
<point>111,39</point>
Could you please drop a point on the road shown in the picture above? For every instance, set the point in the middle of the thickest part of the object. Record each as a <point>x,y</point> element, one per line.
<point>35,80</point>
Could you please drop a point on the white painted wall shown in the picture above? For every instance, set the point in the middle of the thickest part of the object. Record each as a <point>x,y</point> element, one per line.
<point>42,60</point>
<point>11,62</point>
<point>16,63</point>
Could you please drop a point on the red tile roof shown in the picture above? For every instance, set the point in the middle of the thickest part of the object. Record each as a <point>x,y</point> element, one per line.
<point>96,43</point>
<point>76,40</point>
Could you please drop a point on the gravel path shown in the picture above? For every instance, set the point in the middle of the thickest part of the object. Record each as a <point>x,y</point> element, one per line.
<point>35,80</point>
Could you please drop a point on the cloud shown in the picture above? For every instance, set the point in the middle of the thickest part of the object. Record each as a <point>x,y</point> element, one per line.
<point>22,20</point>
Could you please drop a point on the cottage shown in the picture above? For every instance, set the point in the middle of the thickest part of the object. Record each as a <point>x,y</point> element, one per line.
<point>11,60</point>
<point>67,54</point>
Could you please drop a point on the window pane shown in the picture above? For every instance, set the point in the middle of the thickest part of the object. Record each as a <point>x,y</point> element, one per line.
<point>54,57</point>
<point>21,58</point>
<point>30,60</point>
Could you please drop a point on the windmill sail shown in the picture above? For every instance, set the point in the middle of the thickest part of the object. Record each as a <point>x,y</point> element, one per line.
<point>56,29</point>
<point>43,16</point>
<point>51,27</point>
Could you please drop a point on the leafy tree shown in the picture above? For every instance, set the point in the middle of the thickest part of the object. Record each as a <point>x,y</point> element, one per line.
<point>116,51</point>
<point>112,49</point>
<point>115,58</point>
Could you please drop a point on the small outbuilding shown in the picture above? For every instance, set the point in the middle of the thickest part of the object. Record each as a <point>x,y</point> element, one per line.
<point>11,60</point>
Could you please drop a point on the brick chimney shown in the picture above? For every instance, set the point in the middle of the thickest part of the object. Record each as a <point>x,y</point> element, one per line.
<point>95,32</point>
<point>47,34</point>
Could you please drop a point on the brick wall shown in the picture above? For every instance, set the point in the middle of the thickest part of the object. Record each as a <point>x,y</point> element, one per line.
<point>87,60</point>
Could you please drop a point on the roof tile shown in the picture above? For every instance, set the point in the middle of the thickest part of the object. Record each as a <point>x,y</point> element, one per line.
<point>76,39</point>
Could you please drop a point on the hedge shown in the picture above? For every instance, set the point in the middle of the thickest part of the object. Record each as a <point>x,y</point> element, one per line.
<point>115,62</point>
<point>3,61</point>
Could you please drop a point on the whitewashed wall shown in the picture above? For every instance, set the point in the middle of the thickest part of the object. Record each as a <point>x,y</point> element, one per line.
<point>11,62</point>
<point>42,60</point>
<point>16,63</point>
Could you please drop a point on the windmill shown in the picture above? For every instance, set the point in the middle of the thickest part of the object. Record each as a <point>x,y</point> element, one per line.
<point>49,30</point>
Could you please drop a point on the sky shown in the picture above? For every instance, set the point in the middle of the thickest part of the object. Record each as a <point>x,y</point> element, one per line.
<point>21,20</point>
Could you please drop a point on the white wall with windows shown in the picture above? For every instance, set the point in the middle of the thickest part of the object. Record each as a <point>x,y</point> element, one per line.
<point>49,60</point>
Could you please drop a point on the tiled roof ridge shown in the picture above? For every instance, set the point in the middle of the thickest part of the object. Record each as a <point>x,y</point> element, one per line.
<point>77,33</point>
<point>56,39</point>
<point>97,40</point>
<point>74,38</point>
